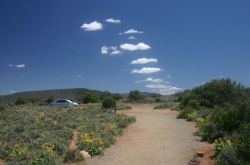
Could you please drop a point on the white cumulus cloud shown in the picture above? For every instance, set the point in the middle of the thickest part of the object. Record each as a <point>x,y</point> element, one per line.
<point>168,90</point>
<point>150,80</point>
<point>156,86</point>
<point>17,65</point>
<point>132,47</point>
<point>133,31</point>
<point>113,50</point>
<point>104,50</point>
<point>114,21</point>
<point>146,70</point>
<point>157,80</point>
<point>144,61</point>
<point>163,89</point>
<point>93,26</point>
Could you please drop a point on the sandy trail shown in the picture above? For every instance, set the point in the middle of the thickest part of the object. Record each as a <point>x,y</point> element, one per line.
<point>157,138</point>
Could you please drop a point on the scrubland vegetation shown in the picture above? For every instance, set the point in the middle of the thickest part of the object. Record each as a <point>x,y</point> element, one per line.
<point>221,110</point>
<point>169,102</point>
<point>42,134</point>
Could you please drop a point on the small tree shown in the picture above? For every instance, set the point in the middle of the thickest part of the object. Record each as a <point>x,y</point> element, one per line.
<point>105,94</point>
<point>20,101</point>
<point>117,96</point>
<point>89,98</point>
<point>135,95</point>
<point>109,102</point>
<point>49,100</point>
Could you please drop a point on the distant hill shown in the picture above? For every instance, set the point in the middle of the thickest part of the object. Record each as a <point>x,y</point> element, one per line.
<point>73,94</point>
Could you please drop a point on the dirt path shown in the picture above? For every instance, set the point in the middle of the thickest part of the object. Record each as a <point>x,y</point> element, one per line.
<point>156,138</point>
<point>73,141</point>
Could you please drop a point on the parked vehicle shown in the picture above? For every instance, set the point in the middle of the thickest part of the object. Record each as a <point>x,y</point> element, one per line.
<point>64,102</point>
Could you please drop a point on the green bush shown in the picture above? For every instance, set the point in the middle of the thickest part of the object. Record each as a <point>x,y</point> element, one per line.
<point>123,121</point>
<point>228,118</point>
<point>49,100</point>
<point>90,98</point>
<point>242,142</point>
<point>168,105</point>
<point>109,102</point>
<point>72,156</point>
<point>184,113</point>
<point>200,123</point>
<point>117,96</point>
<point>225,153</point>
<point>191,116</point>
<point>224,107</point>
<point>216,93</point>
<point>135,95</point>
<point>227,156</point>
<point>33,100</point>
<point>92,143</point>
<point>157,100</point>
<point>211,132</point>
<point>20,101</point>
<point>122,106</point>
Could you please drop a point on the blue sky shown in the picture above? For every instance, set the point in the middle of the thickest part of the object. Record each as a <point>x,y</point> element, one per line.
<point>175,45</point>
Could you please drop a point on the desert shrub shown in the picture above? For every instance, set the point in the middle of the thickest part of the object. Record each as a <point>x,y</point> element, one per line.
<point>191,116</point>
<point>40,135</point>
<point>216,93</point>
<point>33,100</point>
<point>219,144</point>
<point>228,118</point>
<point>105,94</point>
<point>200,123</point>
<point>90,98</point>
<point>225,107</point>
<point>92,143</point>
<point>122,106</point>
<point>108,138</point>
<point>211,132</point>
<point>117,96</point>
<point>242,142</point>
<point>109,102</point>
<point>157,100</point>
<point>59,148</point>
<point>184,114</point>
<point>72,156</point>
<point>168,105</point>
<point>48,151</point>
<point>19,152</point>
<point>49,100</point>
<point>123,121</point>
<point>4,151</point>
<point>225,153</point>
<point>227,156</point>
<point>20,101</point>
<point>135,95</point>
